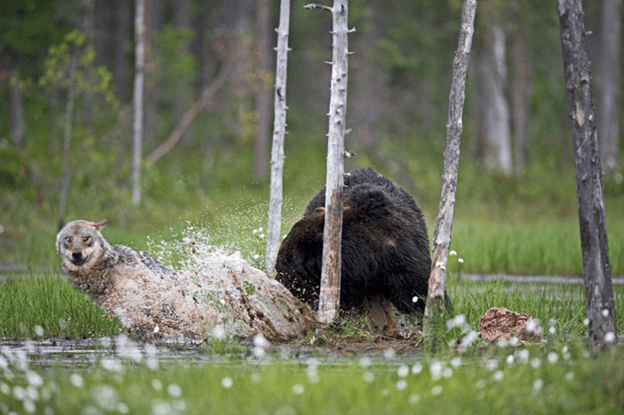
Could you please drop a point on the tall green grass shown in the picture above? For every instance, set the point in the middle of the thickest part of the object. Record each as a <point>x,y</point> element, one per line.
<point>47,306</point>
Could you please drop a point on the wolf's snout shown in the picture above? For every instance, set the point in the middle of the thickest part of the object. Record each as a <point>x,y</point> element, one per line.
<point>77,257</point>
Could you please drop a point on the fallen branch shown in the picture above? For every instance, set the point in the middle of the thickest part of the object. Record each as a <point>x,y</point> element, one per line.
<point>189,115</point>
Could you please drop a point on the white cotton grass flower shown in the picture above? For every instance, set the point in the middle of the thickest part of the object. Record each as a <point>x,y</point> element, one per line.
<point>298,389</point>
<point>605,312</point>
<point>105,396</point>
<point>435,369</point>
<point>401,385</point>
<point>552,357</point>
<point>491,364</point>
<point>389,353</point>
<point>227,382</point>
<point>569,376</point>
<point>457,321</point>
<point>365,361</point>
<point>38,330</point>
<point>498,375</point>
<point>174,390</point>
<point>510,360</point>
<point>414,398</point>
<point>609,337</point>
<point>538,384</point>
<point>452,253</point>
<point>460,260</point>
<point>156,384</point>
<point>368,377</point>
<point>218,332</point>
<point>161,408</point>
<point>523,355</point>
<point>417,368</point>
<point>34,379</point>
<point>260,344</point>
<point>467,341</point>
<point>76,380</point>
<point>415,299</point>
<point>536,363</point>
<point>436,390</point>
<point>123,408</point>
<point>255,377</point>
<point>403,371</point>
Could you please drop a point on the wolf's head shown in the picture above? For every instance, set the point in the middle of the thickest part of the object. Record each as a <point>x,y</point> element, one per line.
<point>80,244</point>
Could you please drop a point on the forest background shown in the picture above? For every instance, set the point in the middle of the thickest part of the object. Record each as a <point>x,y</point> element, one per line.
<point>516,172</point>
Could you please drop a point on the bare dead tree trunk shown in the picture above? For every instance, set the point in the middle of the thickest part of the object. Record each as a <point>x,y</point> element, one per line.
<point>263,92</point>
<point>444,222</point>
<point>69,113</point>
<point>138,103</point>
<point>329,298</point>
<point>596,268</point>
<point>609,70</point>
<point>279,130</point>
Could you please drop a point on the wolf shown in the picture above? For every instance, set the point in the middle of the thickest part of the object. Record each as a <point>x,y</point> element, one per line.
<point>100,269</point>
<point>145,294</point>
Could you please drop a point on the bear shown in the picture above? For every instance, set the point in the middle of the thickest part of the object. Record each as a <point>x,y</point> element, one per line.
<point>385,246</point>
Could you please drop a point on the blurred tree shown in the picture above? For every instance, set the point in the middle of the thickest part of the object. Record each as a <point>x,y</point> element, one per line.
<point>609,65</point>
<point>70,68</point>
<point>263,88</point>
<point>27,29</point>
<point>521,82</point>
<point>494,102</point>
<point>139,35</point>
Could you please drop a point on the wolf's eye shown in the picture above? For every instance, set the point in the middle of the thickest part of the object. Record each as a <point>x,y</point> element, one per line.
<point>86,239</point>
<point>68,239</point>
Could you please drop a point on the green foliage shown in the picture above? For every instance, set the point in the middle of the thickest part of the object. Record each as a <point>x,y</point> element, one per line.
<point>71,62</point>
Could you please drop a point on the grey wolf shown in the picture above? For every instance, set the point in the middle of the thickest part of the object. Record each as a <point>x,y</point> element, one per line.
<point>219,291</point>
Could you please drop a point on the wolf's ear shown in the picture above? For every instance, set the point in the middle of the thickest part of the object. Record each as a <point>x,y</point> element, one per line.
<point>99,225</point>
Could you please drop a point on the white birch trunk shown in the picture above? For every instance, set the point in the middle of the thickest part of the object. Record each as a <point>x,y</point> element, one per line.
<point>444,222</point>
<point>279,130</point>
<point>138,103</point>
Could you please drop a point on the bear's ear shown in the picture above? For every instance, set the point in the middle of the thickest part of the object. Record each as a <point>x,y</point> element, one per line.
<point>99,225</point>
<point>320,210</point>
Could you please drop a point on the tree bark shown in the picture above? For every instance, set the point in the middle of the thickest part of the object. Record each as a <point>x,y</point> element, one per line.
<point>263,91</point>
<point>444,222</point>
<point>138,103</point>
<point>279,130</point>
<point>596,268</point>
<point>329,298</point>
<point>69,113</point>
<point>609,71</point>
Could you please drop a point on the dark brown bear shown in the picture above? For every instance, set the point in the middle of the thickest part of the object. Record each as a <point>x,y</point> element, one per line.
<point>385,247</point>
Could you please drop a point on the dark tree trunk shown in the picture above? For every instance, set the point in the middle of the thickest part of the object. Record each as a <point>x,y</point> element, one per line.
<point>594,246</point>
<point>444,223</point>
<point>609,71</point>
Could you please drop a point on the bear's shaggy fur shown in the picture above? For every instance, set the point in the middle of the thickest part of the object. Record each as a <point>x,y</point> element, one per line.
<point>385,246</point>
